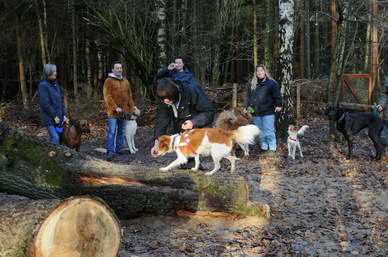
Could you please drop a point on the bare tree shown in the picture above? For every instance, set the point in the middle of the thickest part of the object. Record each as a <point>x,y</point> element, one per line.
<point>286,34</point>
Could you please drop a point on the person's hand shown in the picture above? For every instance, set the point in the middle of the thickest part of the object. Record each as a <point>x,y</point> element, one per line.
<point>118,109</point>
<point>66,119</point>
<point>278,109</point>
<point>155,149</point>
<point>187,125</point>
<point>379,107</point>
<point>56,119</point>
<point>171,66</point>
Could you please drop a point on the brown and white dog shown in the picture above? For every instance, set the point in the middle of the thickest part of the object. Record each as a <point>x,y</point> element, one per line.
<point>293,140</point>
<point>217,143</point>
<point>232,119</point>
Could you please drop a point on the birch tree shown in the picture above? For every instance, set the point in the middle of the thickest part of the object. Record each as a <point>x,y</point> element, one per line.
<point>286,35</point>
<point>161,10</point>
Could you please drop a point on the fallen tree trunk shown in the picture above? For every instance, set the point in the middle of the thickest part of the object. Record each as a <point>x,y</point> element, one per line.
<point>79,226</point>
<point>32,167</point>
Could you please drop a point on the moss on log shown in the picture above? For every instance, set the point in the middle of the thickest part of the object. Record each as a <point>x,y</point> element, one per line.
<point>32,167</point>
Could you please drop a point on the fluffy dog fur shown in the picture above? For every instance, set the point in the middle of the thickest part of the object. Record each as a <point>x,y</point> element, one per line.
<point>71,135</point>
<point>130,131</point>
<point>293,140</point>
<point>349,124</point>
<point>207,141</point>
<point>233,119</point>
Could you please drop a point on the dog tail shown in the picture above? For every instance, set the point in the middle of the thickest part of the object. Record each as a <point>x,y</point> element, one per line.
<point>246,134</point>
<point>302,130</point>
<point>100,150</point>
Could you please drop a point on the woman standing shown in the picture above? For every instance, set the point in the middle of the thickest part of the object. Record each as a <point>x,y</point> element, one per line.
<point>264,99</point>
<point>52,108</point>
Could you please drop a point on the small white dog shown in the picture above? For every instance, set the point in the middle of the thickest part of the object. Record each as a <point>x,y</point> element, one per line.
<point>293,141</point>
<point>130,131</point>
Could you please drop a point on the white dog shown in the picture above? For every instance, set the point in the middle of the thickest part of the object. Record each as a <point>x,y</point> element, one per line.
<point>293,141</point>
<point>130,131</point>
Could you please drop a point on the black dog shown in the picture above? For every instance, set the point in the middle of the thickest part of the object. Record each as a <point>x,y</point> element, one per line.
<point>350,124</point>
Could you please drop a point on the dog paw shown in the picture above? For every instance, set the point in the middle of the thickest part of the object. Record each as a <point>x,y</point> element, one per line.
<point>194,169</point>
<point>209,173</point>
<point>163,169</point>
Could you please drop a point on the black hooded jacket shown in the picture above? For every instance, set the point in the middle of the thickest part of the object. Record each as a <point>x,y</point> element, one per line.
<point>264,98</point>
<point>193,105</point>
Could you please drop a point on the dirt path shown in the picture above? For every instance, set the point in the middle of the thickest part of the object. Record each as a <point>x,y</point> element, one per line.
<point>321,205</point>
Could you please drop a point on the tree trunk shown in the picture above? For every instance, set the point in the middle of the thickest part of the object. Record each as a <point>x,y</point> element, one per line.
<point>286,34</point>
<point>22,75</point>
<point>31,167</point>
<point>255,32</point>
<point>308,41</point>
<point>269,25</point>
<point>75,55</point>
<point>302,41</point>
<point>375,45</point>
<point>89,75</point>
<point>42,40</point>
<point>161,7</point>
<point>317,43</point>
<point>78,226</point>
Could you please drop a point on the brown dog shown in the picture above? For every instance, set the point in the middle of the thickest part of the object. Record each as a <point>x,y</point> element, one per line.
<point>232,120</point>
<point>71,135</point>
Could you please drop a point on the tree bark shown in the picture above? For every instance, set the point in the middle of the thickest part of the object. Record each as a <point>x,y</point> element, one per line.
<point>22,71</point>
<point>255,32</point>
<point>26,168</point>
<point>308,41</point>
<point>161,7</point>
<point>375,45</point>
<point>78,226</point>
<point>75,54</point>
<point>286,34</point>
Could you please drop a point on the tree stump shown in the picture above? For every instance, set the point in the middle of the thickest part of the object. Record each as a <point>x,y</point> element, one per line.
<point>78,226</point>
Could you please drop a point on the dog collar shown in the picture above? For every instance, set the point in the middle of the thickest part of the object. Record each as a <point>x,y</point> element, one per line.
<point>293,139</point>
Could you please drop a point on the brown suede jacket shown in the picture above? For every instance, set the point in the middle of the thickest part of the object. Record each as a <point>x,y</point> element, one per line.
<point>117,93</point>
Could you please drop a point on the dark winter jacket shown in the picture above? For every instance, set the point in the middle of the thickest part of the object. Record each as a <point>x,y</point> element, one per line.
<point>50,101</point>
<point>264,98</point>
<point>193,105</point>
<point>185,77</point>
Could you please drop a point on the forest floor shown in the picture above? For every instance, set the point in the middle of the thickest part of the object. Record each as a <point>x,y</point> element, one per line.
<point>321,205</point>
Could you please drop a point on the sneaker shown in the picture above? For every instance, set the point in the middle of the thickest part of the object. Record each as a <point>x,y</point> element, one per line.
<point>109,157</point>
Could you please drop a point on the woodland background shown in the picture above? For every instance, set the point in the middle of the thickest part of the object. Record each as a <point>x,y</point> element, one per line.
<point>222,41</point>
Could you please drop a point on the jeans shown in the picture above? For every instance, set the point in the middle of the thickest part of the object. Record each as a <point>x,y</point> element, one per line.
<point>54,136</point>
<point>115,135</point>
<point>267,137</point>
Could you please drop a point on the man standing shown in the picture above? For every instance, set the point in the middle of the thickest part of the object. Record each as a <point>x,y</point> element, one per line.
<point>118,101</point>
<point>178,73</point>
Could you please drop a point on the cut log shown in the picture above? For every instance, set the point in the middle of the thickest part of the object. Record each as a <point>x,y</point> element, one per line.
<point>28,167</point>
<point>78,226</point>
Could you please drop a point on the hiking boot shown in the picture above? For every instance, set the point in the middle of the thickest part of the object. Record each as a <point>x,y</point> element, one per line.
<point>109,157</point>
